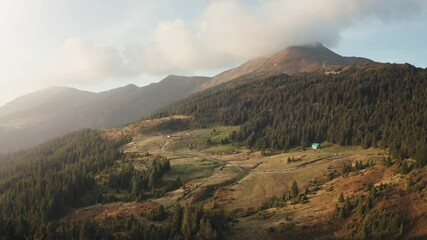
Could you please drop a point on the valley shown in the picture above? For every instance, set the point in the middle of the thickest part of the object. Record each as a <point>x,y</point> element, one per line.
<point>213,120</point>
<point>332,152</point>
<point>252,187</point>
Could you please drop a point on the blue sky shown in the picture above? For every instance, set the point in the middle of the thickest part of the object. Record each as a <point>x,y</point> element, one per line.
<point>101,44</point>
<point>398,42</point>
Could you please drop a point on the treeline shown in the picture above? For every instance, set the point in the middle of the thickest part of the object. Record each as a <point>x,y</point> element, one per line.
<point>138,182</point>
<point>174,125</point>
<point>183,223</point>
<point>372,105</point>
<point>374,223</point>
<point>40,185</point>
<point>192,223</point>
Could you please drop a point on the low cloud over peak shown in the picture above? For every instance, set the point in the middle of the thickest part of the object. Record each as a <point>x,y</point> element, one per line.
<point>228,32</point>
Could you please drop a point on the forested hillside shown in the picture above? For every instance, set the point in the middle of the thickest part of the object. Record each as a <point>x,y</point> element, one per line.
<point>363,104</point>
<point>44,183</point>
<point>40,186</point>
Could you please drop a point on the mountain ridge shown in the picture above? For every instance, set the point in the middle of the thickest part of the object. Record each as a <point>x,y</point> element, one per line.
<point>62,109</point>
<point>54,111</point>
<point>291,60</point>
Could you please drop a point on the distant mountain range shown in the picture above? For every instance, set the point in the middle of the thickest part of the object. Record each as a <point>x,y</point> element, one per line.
<point>36,117</point>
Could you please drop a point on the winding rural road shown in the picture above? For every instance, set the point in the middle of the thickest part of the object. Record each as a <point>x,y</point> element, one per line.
<point>163,145</point>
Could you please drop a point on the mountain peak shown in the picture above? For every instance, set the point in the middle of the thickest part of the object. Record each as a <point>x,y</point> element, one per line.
<point>291,60</point>
<point>131,86</point>
<point>316,54</point>
<point>317,45</point>
<point>45,93</point>
<point>173,78</point>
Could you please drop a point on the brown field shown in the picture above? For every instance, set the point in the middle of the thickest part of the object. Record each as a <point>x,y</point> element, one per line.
<point>309,220</point>
<point>111,210</point>
<point>241,182</point>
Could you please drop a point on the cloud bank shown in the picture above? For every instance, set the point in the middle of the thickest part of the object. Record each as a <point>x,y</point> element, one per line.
<point>80,60</point>
<point>228,32</point>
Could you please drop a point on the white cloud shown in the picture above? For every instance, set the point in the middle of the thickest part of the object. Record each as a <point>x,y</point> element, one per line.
<point>78,60</point>
<point>230,31</point>
<point>226,32</point>
<point>174,49</point>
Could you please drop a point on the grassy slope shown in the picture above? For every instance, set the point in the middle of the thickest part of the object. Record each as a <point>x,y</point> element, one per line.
<point>245,180</point>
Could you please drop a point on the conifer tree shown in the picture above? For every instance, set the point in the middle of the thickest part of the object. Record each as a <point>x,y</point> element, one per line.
<point>294,189</point>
